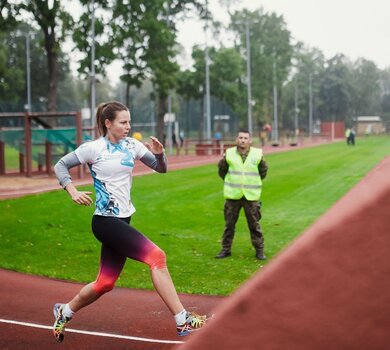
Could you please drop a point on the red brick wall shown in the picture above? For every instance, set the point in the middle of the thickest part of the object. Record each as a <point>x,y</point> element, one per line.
<point>339,129</point>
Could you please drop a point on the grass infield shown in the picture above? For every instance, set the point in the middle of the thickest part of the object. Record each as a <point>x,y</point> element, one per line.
<point>182,212</point>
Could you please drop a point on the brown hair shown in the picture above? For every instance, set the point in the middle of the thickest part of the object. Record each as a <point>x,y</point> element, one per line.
<point>107,110</point>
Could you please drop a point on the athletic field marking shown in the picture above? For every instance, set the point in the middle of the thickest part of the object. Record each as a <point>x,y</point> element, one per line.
<point>98,334</point>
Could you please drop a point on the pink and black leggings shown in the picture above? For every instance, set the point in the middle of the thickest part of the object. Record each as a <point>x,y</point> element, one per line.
<point>119,242</point>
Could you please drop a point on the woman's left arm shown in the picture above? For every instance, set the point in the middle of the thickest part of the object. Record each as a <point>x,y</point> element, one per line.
<point>155,158</point>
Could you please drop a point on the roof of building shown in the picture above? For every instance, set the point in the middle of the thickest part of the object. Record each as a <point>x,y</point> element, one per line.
<point>369,119</point>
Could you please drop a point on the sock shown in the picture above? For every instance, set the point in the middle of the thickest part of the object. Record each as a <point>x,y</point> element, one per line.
<point>181,317</point>
<point>67,311</point>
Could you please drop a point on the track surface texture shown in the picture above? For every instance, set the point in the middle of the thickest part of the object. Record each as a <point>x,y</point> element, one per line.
<point>330,289</point>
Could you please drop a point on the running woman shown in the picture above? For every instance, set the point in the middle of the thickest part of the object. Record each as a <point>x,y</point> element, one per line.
<point>111,161</point>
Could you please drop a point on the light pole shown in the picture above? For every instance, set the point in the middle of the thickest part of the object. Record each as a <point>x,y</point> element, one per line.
<point>296,109</point>
<point>310,106</point>
<point>275,128</point>
<point>248,72</point>
<point>152,117</point>
<point>249,80</point>
<point>21,34</point>
<point>28,72</point>
<point>169,122</point>
<point>92,75</point>
<point>207,73</point>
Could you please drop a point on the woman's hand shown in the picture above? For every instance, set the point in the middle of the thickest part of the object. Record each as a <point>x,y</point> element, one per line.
<point>82,198</point>
<point>79,197</point>
<point>156,147</point>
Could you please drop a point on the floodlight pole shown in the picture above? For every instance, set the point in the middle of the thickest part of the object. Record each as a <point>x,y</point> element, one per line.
<point>168,140</point>
<point>310,106</point>
<point>295,104</point>
<point>276,131</point>
<point>248,72</point>
<point>208,111</point>
<point>207,73</point>
<point>249,80</point>
<point>152,117</point>
<point>28,72</point>
<point>92,76</point>
<point>169,121</point>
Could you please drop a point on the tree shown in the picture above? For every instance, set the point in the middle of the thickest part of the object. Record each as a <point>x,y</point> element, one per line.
<point>336,89</point>
<point>103,39</point>
<point>226,71</point>
<point>269,44</point>
<point>191,85</point>
<point>366,89</point>
<point>160,25</point>
<point>385,93</point>
<point>12,73</point>
<point>129,34</point>
<point>307,62</point>
<point>54,22</point>
<point>13,85</point>
<point>8,14</point>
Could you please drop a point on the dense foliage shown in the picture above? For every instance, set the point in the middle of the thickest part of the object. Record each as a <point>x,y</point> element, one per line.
<point>142,35</point>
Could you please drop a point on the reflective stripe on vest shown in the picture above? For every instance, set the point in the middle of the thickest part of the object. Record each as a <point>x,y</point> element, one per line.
<point>243,179</point>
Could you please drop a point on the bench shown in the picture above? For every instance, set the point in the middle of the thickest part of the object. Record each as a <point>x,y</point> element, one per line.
<point>208,149</point>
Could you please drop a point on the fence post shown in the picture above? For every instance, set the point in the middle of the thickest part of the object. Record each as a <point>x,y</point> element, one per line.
<point>48,156</point>
<point>2,158</point>
<point>22,159</point>
<point>27,142</point>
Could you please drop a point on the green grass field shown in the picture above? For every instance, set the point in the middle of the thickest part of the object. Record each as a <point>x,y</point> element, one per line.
<point>182,212</point>
<point>12,157</point>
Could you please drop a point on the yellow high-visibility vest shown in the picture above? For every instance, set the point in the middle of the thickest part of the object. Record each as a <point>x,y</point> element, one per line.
<point>243,179</point>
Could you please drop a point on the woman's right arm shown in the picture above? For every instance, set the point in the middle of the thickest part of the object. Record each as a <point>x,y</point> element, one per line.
<point>61,170</point>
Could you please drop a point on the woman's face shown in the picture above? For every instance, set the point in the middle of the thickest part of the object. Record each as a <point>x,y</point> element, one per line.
<point>119,128</point>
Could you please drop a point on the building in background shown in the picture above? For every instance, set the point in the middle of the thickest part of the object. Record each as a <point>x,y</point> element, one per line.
<point>367,125</point>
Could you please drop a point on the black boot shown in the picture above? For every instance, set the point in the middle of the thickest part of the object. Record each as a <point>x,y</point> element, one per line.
<point>223,254</point>
<point>260,255</point>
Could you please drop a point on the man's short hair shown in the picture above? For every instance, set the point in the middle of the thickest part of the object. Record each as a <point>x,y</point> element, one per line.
<point>244,131</point>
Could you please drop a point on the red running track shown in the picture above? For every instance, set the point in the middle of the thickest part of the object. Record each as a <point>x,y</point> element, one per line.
<point>139,315</point>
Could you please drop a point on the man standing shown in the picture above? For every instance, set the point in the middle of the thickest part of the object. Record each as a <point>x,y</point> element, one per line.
<point>242,169</point>
<point>348,136</point>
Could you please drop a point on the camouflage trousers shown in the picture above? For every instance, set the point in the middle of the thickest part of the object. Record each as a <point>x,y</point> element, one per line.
<point>253,215</point>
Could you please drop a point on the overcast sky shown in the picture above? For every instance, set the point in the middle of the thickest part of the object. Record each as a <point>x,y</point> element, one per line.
<point>357,28</point>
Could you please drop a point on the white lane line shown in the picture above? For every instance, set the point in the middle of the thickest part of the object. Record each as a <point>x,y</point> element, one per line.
<point>98,334</point>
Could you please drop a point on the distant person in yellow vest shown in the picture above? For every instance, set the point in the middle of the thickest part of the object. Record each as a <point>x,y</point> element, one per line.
<point>243,168</point>
<point>137,135</point>
<point>348,136</point>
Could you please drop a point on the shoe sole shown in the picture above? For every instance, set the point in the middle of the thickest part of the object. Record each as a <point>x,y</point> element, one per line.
<point>183,334</point>
<point>59,336</point>
<point>187,332</point>
<point>223,257</point>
